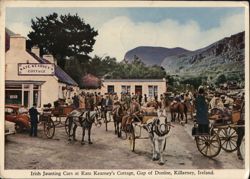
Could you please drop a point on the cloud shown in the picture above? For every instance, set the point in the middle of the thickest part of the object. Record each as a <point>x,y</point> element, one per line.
<point>121,34</point>
<point>19,28</point>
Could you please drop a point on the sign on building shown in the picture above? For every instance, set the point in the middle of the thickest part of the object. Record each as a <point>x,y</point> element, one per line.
<point>36,69</point>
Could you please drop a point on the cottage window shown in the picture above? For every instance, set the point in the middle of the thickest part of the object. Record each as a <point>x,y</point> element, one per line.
<point>152,91</point>
<point>126,89</point>
<point>111,89</point>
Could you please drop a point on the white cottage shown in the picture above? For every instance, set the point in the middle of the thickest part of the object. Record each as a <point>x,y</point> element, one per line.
<point>150,87</point>
<point>30,78</point>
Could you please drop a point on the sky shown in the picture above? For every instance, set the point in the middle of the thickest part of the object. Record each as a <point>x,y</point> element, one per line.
<point>122,29</point>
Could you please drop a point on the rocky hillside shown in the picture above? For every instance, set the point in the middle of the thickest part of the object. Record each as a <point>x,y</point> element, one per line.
<point>152,55</point>
<point>225,56</point>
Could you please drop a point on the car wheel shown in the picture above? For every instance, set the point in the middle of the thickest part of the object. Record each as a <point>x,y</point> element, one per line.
<point>19,128</point>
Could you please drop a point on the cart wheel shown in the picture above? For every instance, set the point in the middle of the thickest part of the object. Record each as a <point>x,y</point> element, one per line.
<point>131,138</point>
<point>49,128</point>
<point>228,137</point>
<point>67,126</point>
<point>242,148</point>
<point>209,146</point>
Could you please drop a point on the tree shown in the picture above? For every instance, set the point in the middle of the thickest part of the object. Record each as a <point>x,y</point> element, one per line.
<point>64,36</point>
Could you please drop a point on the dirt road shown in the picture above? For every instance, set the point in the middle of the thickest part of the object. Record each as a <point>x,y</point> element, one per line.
<point>109,152</point>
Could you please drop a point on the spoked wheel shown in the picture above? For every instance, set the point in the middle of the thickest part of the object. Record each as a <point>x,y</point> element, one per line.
<point>131,137</point>
<point>228,137</point>
<point>67,126</point>
<point>49,128</point>
<point>209,145</point>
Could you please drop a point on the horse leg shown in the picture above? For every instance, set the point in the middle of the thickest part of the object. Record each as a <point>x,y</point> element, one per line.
<point>69,128</point>
<point>74,132</point>
<point>89,133</point>
<point>161,149</point>
<point>119,128</point>
<point>186,117</point>
<point>83,134</point>
<point>115,124</point>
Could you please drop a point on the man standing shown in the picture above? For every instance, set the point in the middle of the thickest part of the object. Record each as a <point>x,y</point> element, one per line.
<point>33,120</point>
<point>75,101</point>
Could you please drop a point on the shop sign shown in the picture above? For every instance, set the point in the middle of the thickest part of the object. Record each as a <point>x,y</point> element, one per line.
<point>36,69</point>
<point>13,96</point>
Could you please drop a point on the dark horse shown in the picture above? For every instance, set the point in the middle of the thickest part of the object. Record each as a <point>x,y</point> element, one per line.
<point>85,119</point>
<point>180,109</point>
<point>118,114</point>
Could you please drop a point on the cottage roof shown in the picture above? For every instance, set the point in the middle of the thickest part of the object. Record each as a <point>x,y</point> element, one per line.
<point>90,81</point>
<point>134,80</point>
<point>60,73</point>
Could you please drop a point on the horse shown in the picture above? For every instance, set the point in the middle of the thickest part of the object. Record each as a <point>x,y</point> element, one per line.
<point>82,118</point>
<point>190,108</point>
<point>180,109</point>
<point>154,104</point>
<point>118,114</point>
<point>158,127</point>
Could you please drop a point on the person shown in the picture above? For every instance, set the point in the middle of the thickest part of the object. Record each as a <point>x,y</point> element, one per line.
<point>133,110</point>
<point>82,101</point>
<point>140,98</point>
<point>240,131</point>
<point>33,120</point>
<point>69,101</point>
<point>107,105</point>
<point>145,98</point>
<point>75,101</point>
<point>202,111</point>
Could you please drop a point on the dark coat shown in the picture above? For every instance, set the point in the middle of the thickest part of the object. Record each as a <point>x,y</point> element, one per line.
<point>201,110</point>
<point>76,101</point>
<point>33,114</point>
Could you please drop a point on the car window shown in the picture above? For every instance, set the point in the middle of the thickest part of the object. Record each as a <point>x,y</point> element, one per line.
<point>22,110</point>
<point>9,111</point>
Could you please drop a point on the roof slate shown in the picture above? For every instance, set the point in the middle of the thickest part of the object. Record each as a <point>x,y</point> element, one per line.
<point>60,73</point>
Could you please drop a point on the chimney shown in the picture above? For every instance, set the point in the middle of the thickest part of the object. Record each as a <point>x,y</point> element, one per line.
<point>36,50</point>
<point>50,58</point>
<point>17,42</point>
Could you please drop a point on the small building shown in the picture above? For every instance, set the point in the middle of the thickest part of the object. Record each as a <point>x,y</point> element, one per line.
<point>150,87</point>
<point>30,78</point>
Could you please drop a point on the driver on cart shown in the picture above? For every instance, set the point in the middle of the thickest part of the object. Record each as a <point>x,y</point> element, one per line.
<point>133,115</point>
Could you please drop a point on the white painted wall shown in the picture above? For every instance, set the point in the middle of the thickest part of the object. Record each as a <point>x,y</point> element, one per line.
<point>162,88</point>
<point>17,54</point>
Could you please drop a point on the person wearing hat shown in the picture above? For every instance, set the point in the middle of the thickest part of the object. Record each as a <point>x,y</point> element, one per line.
<point>202,111</point>
<point>33,120</point>
<point>134,110</point>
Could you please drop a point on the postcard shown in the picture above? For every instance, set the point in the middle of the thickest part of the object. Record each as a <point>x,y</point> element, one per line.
<point>124,89</point>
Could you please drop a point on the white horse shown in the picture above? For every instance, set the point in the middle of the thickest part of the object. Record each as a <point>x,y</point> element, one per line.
<point>158,128</point>
<point>82,118</point>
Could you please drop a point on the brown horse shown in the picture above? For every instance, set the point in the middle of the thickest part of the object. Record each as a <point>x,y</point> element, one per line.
<point>180,109</point>
<point>154,104</point>
<point>118,113</point>
<point>190,108</point>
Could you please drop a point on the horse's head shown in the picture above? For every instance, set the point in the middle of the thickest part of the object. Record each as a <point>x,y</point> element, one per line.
<point>94,118</point>
<point>160,124</point>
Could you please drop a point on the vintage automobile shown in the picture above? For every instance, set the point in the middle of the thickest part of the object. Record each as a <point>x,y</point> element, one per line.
<point>9,128</point>
<point>18,115</point>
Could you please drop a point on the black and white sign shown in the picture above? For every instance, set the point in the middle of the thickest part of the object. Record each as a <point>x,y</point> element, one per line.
<point>36,69</point>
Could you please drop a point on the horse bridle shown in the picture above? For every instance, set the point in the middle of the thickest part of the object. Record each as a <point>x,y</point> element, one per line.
<point>154,127</point>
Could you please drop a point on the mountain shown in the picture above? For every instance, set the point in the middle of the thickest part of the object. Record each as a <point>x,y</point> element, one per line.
<point>152,55</point>
<point>225,56</point>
